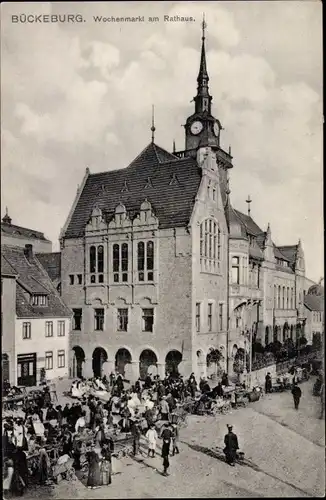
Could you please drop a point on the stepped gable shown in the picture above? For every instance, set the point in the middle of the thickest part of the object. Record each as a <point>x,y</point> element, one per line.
<point>172,204</point>
<point>33,279</point>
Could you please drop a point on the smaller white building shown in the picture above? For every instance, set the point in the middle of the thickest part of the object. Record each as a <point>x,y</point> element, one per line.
<point>36,322</point>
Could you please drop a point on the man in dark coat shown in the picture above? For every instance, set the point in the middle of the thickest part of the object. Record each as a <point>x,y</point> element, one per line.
<point>231,446</point>
<point>166,435</point>
<point>296,393</point>
<point>268,383</point>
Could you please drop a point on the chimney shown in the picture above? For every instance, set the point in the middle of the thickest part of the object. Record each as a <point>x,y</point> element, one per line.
<point>28,252</point>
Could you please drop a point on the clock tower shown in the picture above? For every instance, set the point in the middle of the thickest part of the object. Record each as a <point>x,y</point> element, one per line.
<point>202,129</point>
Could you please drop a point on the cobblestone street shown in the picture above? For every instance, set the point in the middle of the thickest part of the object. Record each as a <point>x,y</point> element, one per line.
<point>270,432</point>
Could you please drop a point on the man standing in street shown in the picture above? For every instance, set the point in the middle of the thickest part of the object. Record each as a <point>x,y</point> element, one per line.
<point>296,393</point>
<point>231,446</point>
<point>166,435</point>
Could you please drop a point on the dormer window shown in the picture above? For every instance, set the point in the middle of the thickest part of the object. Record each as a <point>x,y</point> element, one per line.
<point>39,300</point>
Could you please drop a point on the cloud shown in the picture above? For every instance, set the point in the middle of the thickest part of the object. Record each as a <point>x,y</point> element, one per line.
<point>76,96</point>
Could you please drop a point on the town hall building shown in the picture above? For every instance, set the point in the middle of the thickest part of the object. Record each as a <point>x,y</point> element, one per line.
<point>162,273</point>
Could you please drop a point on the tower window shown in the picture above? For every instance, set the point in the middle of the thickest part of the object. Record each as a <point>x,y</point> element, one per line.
<point>236,270</point>
<point>210,246</point>
<point>123,320</point>
<point>77,319</point>
<point>198,317</point>
<point>210,317</point>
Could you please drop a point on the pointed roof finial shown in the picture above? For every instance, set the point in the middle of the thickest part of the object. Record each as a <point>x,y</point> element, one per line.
<point>248,201</point>
<point>153,124</point>
<point>230,153</point>
<point>204,26</point>
<point>174,146</point>
<point>6,219</point>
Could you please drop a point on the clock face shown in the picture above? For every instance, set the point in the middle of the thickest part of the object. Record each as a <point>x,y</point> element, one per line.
<point>216,129</point>
<point>196,128</point>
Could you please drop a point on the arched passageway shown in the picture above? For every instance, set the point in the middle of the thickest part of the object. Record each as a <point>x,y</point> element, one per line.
<point>213,358</point>
<point>147,359</point>
<point>172,361</point>
<point>99,357</point>
<point>77,361</point>
<point>122,359</point>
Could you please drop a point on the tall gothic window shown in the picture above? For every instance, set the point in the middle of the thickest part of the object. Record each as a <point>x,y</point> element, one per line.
<point>145,261</point>
<point>235,270</point>
<point>120,263</point>
<point>210,246</point>
<point>279,298</point>
<point>96,263</point>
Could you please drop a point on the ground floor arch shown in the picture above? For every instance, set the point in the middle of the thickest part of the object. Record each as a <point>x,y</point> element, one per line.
<point>147,359</point>
<point>78,358</point>
<point>122,360</point>
<point>213,359</point>
<point>172,361</point>
<point>99,357</point>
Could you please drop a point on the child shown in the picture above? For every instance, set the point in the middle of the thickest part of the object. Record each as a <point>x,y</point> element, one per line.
<point>151,436</point>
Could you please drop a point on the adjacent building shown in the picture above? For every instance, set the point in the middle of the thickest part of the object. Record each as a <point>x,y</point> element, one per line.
<point>35,321</point>
<point>163,274</point>
<point>314,308</point>
<point>20,236</point>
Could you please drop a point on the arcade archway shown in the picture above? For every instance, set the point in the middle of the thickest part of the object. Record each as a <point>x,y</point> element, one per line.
<point>147,359</point>
<point>99,357</point>
<point>122,358</point>
<point>172,361</point>
<point>77,362</point>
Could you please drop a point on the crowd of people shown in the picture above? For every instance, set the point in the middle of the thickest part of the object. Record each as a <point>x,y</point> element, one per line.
<point>44,435</point>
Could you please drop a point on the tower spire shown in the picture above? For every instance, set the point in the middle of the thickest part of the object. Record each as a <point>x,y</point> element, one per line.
<point>248,201</point>
<point>203,99</point>
<point>153,124</point>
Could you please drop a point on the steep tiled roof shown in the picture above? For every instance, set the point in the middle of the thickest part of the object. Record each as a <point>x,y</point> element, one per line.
<point>172,202</point>
<point>279,255</point>
<point>249,223</point>
<point>33,279</point>
<point>289,252</point>
<point>314,302</point>
<point>21,231</point>
<point>254,250</point>
<point>236,227</point>
<point>51,263</point>
<point>6,268</point>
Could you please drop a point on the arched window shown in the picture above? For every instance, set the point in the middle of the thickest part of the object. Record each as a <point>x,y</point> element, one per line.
<point>116,263</point>
<point>150,260</point>
<point>120,262</point>
<point>141,260</point>
<point>210,246</point>
<point>96,263</point>
<point>100,263</point>
<point>124,261</point>
<point>145,259</point>
<point>92,259</point>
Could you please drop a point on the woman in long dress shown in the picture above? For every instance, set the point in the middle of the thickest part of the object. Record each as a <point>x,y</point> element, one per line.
<point>94,473</point>
<point>106,464</point>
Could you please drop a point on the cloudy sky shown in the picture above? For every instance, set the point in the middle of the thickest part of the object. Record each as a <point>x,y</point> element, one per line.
<point>78,95</point>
